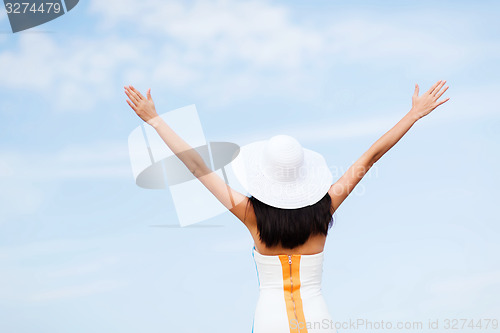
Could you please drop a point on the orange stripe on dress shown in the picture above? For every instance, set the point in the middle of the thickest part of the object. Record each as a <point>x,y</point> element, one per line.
<point>291,288</point>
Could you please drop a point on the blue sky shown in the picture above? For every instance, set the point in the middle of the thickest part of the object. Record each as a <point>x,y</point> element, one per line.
<point>80,245</point>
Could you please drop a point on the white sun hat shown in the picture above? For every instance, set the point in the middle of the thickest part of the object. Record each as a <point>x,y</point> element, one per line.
<point>281,173</point>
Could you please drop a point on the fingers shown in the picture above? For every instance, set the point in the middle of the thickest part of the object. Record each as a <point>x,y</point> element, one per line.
<point>433,87</point>
<point>149,94</point>
<point>133,93</point>
<point>416,90</point>
<point>132,97</point>
<point>131,105</point>
<point>439,86</point>
<point>445,100</point>
<point>137,92</point>
<point>441,93</point>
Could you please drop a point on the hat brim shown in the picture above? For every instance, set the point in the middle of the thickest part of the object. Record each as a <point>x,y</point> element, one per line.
<point>314,181</point>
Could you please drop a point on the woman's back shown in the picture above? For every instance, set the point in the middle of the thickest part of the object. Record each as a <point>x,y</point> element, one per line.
<point>288,215</point>
<point>290,298</point>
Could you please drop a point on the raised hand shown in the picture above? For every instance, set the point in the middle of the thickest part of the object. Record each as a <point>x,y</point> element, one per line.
<point>428,101</point>
<point>144,107</point>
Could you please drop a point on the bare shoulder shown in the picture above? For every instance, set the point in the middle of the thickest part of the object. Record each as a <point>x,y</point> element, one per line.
<point>237,203</point>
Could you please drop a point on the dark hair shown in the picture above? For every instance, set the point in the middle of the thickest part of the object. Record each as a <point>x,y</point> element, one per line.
<point>292,227</point>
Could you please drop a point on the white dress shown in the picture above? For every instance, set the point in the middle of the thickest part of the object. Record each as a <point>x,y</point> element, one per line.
<point>290,298</point>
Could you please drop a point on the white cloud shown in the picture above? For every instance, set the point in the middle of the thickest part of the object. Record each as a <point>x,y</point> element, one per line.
<point>220,31</point>
<point>205,41</point>
<point>225,50</point>
<point>32,66</point>
<point>264,34</point>
<point>74,75</point>
<point>280,56</point>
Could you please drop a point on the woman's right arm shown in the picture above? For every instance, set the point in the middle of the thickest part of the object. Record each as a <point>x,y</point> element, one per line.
<point>233,200</point>
<point>421,106</point>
